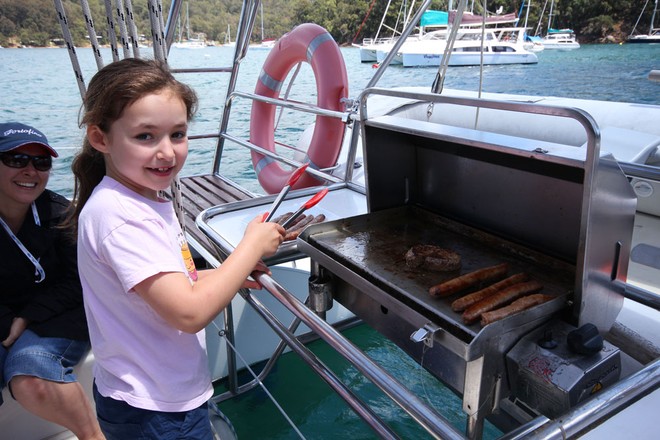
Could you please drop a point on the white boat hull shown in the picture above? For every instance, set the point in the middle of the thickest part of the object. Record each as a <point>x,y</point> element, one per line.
<point>467,59</point>
<point>645,39</point>
<point>568,45</point>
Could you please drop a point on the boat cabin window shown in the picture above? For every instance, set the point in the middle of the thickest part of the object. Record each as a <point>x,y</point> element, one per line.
<point>502,49</point>
<point>470,49</point>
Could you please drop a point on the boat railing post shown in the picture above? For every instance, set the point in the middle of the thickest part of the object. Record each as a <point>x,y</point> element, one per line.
<point>228,333</point>
<point>245,26</point>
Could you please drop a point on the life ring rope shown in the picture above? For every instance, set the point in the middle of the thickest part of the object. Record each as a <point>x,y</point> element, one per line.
<point>312,44</point>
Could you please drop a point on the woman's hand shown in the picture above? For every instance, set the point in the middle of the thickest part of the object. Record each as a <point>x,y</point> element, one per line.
<point>17,328</point>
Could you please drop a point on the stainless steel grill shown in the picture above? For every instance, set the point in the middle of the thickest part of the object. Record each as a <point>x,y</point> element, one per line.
<point>493,199</point>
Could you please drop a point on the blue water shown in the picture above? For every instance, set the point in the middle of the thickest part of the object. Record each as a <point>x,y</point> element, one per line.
<point>320,414</point>
<point>38,88</point>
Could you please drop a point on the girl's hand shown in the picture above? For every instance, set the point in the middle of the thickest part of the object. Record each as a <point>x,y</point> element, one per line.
<point>253,283</point>
<point>265,238</point>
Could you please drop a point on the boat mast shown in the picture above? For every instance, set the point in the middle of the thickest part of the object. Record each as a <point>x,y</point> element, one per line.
<point>653,18</point>
<point>261,4</point>
<point>382,20</point>
<point>529,5</point>
<point>187,21</point>
<point>552,4</point>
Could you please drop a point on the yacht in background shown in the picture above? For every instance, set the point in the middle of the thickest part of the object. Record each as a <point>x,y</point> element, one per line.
<point>563,39</point>
<point>228,42</point>
<point>500,46</point>
<point>188,42</point>
<point>371,46</point>
<point>653,35</point>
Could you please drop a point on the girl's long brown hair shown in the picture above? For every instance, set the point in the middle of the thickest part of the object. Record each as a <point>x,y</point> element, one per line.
<point>110,91</point>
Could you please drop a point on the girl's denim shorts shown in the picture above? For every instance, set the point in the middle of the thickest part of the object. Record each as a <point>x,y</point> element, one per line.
<point>47,358</point>
<point>121,421</point>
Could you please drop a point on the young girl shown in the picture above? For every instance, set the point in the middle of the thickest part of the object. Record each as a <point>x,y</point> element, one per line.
<point>146,312</point>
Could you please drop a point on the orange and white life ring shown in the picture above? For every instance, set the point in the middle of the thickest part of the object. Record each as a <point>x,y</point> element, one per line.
<point>313,44</point>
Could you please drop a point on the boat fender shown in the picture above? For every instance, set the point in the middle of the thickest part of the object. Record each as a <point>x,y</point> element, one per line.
<point>305,43</point>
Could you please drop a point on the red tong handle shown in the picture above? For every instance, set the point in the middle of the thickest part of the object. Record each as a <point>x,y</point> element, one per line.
<point>317,198</point>
<point>308,204</point>
<point>296,174</point>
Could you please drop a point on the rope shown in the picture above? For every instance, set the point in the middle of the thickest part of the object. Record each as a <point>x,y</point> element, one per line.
<point>364,21</point>
<point>66,33</point>
<point>538,25</point>
<point>157,33</point>
<point>92,33</point>
<point>112,34</point>
<point>221,332</point>
<point>439,80</point>
<point>215,410</point>
<point>286,94</point>
<point>132,29</point>
<point>123,35</point>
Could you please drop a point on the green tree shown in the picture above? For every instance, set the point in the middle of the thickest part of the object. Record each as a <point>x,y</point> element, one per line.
<point>35,21</point>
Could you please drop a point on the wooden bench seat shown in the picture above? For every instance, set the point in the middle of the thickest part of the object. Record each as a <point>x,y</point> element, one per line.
<point>202,192</point>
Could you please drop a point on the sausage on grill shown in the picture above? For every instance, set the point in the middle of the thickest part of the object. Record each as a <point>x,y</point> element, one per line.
<point>468,280</point>
<point>280,219</point>
<point>466,301</point>
<point>517,306</point>
<point>294,232</point>
<point>503,297</point>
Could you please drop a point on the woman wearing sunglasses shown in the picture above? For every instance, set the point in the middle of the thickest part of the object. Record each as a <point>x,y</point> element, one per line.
<point>43,332</point>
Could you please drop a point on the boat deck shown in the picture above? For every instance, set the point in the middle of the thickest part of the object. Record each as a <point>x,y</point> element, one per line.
<point>199,193</point>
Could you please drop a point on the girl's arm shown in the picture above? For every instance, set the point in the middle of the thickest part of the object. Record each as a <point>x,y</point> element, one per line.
<point>190,308</point>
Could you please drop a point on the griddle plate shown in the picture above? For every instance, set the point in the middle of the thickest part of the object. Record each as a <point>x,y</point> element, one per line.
<point>373,246</point>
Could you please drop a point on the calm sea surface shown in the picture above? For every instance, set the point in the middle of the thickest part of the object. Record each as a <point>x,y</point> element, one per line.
<point>37,87</point>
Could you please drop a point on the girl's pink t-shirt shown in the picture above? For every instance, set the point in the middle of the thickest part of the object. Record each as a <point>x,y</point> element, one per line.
<point>123,239</point>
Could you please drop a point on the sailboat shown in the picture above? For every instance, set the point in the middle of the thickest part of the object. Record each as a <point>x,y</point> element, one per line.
<point>266,43</point>
<point>563,39</point>
<point>228,42</point>
<point>370,46</point>
<point>654,32</point>
<point>531,43</point>
<point>188,43</point>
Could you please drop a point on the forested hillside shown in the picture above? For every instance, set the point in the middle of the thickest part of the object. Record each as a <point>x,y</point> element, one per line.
<point>34,22</point>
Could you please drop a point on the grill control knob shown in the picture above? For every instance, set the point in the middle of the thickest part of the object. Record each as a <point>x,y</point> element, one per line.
<point>585,340</point>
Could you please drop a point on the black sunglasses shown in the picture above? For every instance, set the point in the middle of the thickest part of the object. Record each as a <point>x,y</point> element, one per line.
<point>20,160</point>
